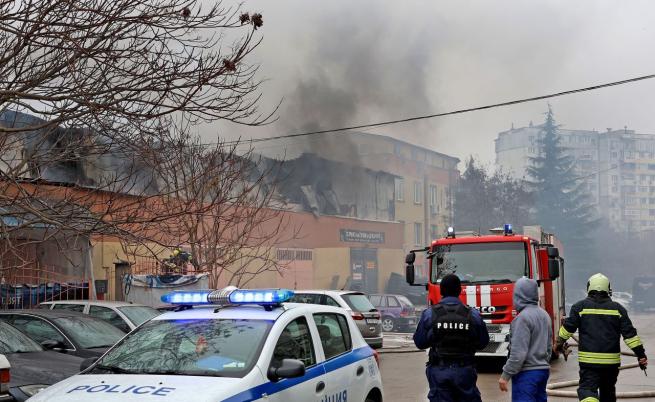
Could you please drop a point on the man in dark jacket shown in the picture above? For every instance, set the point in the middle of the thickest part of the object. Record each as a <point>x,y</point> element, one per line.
<point>601,323</point>
<point>453,332</point>
<point>528,365</point>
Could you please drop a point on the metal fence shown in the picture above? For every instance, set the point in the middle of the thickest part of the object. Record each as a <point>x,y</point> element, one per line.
<point>26,287</point>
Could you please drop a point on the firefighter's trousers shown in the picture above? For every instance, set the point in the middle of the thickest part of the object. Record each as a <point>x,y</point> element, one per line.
<point>598,384</point>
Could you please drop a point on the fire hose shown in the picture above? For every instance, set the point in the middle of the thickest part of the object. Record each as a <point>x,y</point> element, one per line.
<point>553,389</point>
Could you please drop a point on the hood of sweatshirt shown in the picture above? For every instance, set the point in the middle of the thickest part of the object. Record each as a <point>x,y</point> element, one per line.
<point>526,292</point>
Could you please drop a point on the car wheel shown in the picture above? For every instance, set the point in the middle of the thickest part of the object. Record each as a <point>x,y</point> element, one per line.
<point>388,324</point>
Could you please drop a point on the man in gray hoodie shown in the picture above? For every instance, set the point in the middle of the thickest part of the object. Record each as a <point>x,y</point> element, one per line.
<point>528,365</point>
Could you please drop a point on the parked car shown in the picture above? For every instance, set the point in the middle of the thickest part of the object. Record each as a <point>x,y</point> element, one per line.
<point>643,293</point>
<point>366,316</point>
<point>623,298</point>
<point>5,376</point>
<point>124,316</point>
<point>397,312</point>
<point>32,367</point>
<point>65,331</point>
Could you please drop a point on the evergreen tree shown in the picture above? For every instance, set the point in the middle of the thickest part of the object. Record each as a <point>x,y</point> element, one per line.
<point>484,201</point>
<point>562,206</point>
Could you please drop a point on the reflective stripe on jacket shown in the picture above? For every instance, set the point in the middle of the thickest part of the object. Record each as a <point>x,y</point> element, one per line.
<point>601,323</point>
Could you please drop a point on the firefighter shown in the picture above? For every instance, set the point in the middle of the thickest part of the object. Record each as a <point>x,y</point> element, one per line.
<point>453,332</point>
<point>601,323</point>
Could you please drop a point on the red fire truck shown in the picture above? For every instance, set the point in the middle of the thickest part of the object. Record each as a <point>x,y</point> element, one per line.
<point>488,267</point>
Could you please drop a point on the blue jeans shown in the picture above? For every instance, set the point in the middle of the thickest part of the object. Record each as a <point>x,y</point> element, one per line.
<point>452,384</point>
<point>530,386</point>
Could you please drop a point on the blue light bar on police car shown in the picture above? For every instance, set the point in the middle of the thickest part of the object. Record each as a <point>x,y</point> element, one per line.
<point>229,295</point>
<point>187,297</point>
<point>260,296</point>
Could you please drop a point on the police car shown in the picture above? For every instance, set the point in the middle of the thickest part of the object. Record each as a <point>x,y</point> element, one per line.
<point>233,345</point>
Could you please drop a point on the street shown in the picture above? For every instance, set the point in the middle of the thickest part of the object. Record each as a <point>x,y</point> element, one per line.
<point>403,374</point>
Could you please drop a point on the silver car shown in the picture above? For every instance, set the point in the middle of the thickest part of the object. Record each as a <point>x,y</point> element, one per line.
<point>123,315</point>
<point>366,316</point>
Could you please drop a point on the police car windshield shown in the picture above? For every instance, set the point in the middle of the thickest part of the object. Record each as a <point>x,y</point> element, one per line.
<point>222,348</point>
<point>481,262</point>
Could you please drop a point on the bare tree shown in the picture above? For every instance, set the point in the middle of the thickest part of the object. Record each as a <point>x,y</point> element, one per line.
<point>89,92</point>
<point>220,204</point>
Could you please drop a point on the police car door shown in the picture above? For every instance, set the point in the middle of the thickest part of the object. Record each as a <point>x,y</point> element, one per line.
<point>296,342</point>
<point>346,376</point>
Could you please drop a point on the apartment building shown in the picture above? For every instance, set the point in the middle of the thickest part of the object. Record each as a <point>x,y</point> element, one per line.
<point>616,167</point>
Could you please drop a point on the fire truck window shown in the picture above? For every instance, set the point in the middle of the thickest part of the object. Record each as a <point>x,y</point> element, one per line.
<point>501,262</point>
<point>535,263</point>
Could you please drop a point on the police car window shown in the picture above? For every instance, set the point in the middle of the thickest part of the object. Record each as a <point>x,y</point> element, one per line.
<point>331,302</point>
<point>38,329</point>
<point>335,337</point>
<point>201,347</point>
<point>109,315</point>
<point>295,342</point>
<point>392,302</point>
<point>69,307</point>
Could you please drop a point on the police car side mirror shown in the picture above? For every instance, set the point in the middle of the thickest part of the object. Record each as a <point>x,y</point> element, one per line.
<point>290,368</point>
<point>86,363</point>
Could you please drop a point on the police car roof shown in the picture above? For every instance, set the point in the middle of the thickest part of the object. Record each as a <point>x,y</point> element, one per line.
<point>241,312</point>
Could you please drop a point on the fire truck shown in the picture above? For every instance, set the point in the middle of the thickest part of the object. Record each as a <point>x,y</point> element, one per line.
<point>488,266</point>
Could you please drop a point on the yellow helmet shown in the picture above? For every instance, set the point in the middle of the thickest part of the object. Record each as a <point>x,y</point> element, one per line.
<point>599,283</point>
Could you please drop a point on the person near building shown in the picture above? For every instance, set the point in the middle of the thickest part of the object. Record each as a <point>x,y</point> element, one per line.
<point>453,332</point>
<point>528,364</point>
<point>601,322</point>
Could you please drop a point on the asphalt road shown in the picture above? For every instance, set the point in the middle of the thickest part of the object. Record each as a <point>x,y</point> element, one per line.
<point>403,374</point>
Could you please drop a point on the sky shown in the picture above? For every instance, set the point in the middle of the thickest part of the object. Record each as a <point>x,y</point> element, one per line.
<point>339,63</point>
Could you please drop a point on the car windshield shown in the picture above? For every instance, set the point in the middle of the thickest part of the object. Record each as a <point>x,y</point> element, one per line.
<point>481,262</point>
<point>14,341</point>
<point>139,314</point>
<point>222,348</point>
<point>405,301</point>
<point>89,332</point>
<point>358,302</point>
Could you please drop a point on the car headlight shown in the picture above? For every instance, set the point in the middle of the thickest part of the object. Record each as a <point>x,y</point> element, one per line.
<point>33,389</point>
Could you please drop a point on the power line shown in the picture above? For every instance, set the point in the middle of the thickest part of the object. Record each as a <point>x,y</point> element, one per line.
<point>454,112</point>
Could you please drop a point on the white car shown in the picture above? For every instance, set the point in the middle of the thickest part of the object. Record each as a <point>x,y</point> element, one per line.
<point>247,345</point>
<point>366,316</point>
<point>4,379</point>
<point>123,315</point>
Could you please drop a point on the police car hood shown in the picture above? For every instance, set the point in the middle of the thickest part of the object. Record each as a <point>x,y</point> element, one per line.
<point>128,387</point>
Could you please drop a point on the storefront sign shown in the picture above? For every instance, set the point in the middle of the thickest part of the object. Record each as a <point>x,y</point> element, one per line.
<point>361,236</point>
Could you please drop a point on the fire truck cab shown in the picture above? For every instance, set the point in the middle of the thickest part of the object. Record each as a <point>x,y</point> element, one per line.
<point>488,267</point>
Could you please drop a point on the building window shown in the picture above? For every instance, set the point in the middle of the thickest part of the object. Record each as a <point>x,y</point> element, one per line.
<point>418,192</point>
<point>434,198</point>
<point>433,231</point>
<point>400,189</point>
<point>418,234</point>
